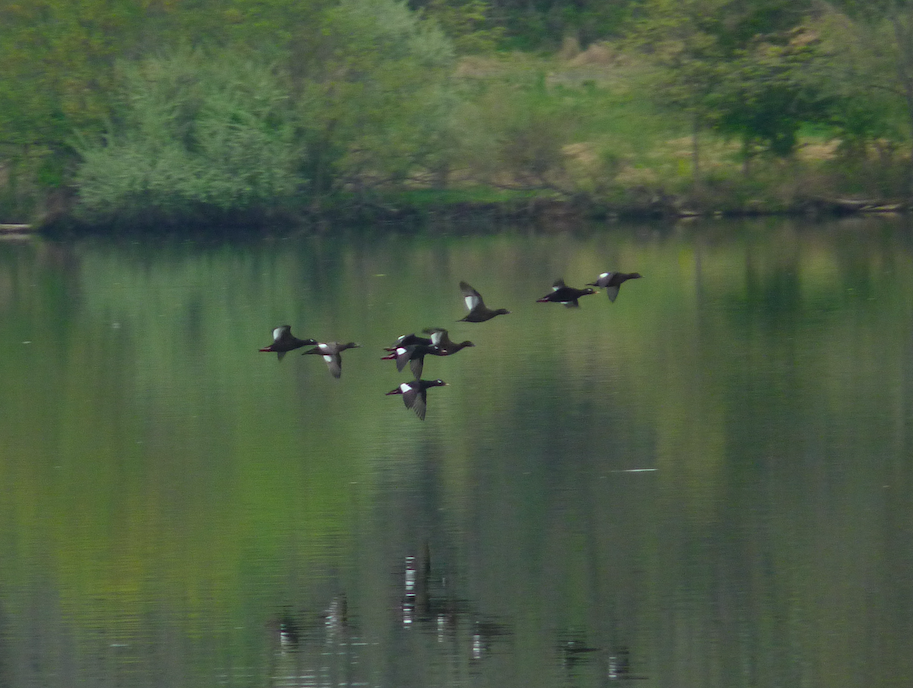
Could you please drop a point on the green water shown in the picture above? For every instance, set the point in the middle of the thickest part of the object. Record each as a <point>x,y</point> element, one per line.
<point>169,496</point>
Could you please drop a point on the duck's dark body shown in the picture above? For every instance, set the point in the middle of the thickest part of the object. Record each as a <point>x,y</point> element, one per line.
<point>409,340</point>
<point>478,311</point>
<point>561,293</point>
<point>331,354</point>
<point>284,341</point>
<point>414,354</point>
<point>611,281</point>
<point>415,394</point>
<point>441,345</point>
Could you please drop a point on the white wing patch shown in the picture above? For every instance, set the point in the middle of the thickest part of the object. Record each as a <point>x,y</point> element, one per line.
<point>471,301</point>
<point>277,333</point>
<point>405,387</point>
<point>328,359</point>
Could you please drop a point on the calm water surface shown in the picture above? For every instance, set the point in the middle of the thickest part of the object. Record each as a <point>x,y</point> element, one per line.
<point>707,483</point>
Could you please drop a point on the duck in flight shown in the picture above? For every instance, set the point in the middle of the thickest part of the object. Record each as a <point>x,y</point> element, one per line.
<point>561,293</point>
<point>415,394</point>
<point>478,311</point>
<point>414,353</point>
<point>611,281</point>
<point>409,340</point>
<point>284,341</point>
<point>331,354</point>
<point>441,345</point>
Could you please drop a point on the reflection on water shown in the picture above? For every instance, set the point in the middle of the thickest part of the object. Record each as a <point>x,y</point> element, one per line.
<point>704,483</point>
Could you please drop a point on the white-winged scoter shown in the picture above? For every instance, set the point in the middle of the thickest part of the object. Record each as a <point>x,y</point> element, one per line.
<point>284,341</point>
<point>415,394</point>
<point>611,281</point>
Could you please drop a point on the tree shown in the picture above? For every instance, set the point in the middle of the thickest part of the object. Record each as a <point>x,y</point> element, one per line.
<point>869,71</point>
<point>205,132</point>
<point>196,134</point>
<point>741,70</point>
<point>768,92</point>
<point>376,99</point>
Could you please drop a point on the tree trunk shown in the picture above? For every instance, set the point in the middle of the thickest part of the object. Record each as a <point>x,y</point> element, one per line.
<point>696,151</point>
<point>903,34</point>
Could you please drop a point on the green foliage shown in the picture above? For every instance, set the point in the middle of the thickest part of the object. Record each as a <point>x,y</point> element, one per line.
<point>861,73</point>
<point>746,71</point>
<point>217,107</point>
<point>467,23</point>
<point>210,130</point>
<point>191,132</point>
<point>376,106</point>
<point>764,95</point>
<point>543,24</point>
<point>55,58</point>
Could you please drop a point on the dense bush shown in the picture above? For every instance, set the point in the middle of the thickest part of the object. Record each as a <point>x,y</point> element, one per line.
<point>211,132</point>
<point>191,133</point>
<point>293,107</point>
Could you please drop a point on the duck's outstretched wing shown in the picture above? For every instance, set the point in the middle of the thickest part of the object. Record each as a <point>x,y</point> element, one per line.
<point>416,365</point>
<point>472,298</point>
<point>416,398</point>
<point>334,363</point>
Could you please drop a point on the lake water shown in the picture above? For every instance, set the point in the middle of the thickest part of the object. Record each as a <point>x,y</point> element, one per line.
<point>708,483</point>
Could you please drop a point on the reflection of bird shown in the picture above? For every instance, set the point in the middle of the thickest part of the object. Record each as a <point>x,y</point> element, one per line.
<point>620,664</point>
<point>483,633</point>
<point>415,394</point>
<point>284,341</point>
<point>574,651</point>
<point>331,354</point>
<point>561,293</point>
<point>288,635</point>
<point>619,668</point>
<point>336,616</point>
<point>478,311</point>
<point>410,583</point>
<point>611,281</point>
<point>286,629</point>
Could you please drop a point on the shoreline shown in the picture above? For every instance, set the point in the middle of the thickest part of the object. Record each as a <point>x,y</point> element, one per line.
<point>529,209</point>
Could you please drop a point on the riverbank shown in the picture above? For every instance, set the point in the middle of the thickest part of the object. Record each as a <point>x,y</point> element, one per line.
<point>406,212</point>
<point>524,138</point>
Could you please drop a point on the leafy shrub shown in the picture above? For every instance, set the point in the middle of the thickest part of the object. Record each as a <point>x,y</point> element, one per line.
<point>192,132</point>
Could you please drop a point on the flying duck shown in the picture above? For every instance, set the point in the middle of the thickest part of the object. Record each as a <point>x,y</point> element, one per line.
<point>409,340</point>
<point>611,281</point>
<point>415,394</point>
<point>561,293</point>
<point>331,354</point>
<point>478,311</point>
<point>284,341</point>
<point>441,345</point>
<point>413,354</point>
